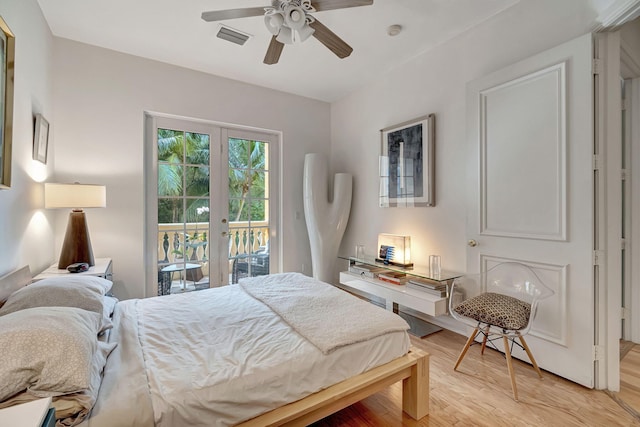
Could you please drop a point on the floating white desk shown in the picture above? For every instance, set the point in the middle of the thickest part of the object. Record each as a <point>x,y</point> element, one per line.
<point>400,294</point>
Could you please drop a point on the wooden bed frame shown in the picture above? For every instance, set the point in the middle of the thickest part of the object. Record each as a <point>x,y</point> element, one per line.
<point>412,369</point>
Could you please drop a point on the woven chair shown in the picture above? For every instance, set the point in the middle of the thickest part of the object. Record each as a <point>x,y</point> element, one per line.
<point>499,303</point>
<point>258,263</point>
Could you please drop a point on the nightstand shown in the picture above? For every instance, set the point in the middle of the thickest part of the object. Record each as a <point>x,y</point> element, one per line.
<point>103,268</point>
<point>37,413</point>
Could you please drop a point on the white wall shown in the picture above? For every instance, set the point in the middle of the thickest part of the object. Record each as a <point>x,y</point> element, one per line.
<point>25,229</point>
<point>630,39</point>
<point>434,82</point>
<point>100,96</point>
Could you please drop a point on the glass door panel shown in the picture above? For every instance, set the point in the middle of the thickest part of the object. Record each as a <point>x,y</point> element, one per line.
<point>183,210</point>
<point>249,226</point>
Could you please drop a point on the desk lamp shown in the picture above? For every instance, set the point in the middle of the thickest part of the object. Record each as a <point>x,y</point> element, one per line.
<point>394,250</point>
<point>77,244</point>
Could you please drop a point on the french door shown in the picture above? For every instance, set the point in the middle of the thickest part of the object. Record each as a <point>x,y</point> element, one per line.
<point>210,197</point>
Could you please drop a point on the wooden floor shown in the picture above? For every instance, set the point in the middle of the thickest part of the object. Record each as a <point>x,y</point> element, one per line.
<point>629,395</point>
<point>479,394</point>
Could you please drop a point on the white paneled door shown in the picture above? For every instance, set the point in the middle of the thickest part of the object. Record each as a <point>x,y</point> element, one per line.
<point>530,174</point>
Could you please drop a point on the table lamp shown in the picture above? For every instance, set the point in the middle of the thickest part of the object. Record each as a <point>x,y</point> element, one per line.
<point>77,244</point>
<point>394,250</point>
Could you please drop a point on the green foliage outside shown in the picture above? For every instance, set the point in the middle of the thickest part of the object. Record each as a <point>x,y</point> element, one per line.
<point>247,161</point>
<point>183,164</point>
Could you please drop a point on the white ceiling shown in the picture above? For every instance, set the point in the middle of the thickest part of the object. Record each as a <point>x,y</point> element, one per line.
<point>172,31</point>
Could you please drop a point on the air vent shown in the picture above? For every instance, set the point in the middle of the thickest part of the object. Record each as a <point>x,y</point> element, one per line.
<point>234,36</point>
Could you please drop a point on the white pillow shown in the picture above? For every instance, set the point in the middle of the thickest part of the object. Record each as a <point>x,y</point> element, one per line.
<point>47,350</point>
<point>86,292</point>
<point>55,294</point>
<point>103,285</point>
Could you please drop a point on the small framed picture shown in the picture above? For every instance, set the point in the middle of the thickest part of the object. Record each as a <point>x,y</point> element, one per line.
<point>41,139</point>
<point>407,164</point>
<point>7,68</point>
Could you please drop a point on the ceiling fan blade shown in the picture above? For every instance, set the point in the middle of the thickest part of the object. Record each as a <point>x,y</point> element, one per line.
<point>330,40</point>
<point>273,52</point>
<point>321,5</point>
<point>222,15</point>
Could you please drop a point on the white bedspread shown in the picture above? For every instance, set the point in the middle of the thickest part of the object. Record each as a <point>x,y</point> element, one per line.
<point>216,358</point>
<point>298,299</point>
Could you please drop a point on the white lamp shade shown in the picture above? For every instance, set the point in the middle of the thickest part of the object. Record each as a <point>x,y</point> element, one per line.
<point>305,32</point>
<point>294,17</point>
<point>273,22</point>
<point>74,196</point>
<point>285,35</point>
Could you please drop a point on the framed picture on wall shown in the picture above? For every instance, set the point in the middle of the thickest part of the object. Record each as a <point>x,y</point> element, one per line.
<point>7,65</point>
<point>41,139</point>
<point>407,164</point>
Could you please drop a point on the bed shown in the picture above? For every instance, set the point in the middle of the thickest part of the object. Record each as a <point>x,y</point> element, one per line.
<point>253,354</point>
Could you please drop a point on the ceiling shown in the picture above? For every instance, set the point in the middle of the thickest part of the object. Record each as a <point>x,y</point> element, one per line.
<point>172,31</point>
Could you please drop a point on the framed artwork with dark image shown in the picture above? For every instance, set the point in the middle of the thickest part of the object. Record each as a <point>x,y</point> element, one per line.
<point>7,66</point>
<point>407,164</point>
<point>41,139</point>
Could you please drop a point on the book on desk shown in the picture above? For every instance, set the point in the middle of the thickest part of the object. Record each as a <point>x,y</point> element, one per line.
<point>365,270</point>
<point>429,286</point>
<point>395,277</point>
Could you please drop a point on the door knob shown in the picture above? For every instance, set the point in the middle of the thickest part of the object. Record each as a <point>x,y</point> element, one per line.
<point>224,234</point>
<point>472,243</point>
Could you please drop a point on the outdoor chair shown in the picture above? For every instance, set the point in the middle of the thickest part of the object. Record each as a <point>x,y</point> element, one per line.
<point>258,262</point>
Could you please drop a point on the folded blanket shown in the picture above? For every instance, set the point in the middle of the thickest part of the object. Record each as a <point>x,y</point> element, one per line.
<point>327,317</point>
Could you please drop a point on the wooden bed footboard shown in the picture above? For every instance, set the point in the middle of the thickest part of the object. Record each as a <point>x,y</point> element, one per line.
<point>412,369</point>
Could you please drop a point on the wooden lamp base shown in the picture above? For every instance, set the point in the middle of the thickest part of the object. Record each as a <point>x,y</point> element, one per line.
<point>77,244</point>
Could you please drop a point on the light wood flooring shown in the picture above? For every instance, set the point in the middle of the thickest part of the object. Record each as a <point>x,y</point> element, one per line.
<point>479,394</point>
<point>629,394</point>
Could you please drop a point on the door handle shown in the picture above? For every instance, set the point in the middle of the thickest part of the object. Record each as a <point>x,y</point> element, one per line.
<point>472,243</point>
<point>224,234</point>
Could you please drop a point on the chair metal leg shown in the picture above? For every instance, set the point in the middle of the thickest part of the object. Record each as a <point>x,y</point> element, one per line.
<point>466,347</point>
<point>507,352</point>
<point>533,361</point>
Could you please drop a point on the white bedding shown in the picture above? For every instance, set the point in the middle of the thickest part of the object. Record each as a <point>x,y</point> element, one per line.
<point>216,358</point>
<point>297,298</point>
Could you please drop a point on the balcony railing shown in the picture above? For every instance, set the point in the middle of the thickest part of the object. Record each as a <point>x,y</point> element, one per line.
<point>177,244</point>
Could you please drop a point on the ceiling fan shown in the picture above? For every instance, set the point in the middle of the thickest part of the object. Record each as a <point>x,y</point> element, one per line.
<point>290,21</point>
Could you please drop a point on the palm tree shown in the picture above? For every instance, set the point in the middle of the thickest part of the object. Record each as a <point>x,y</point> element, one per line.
<point>247,161</point>
<point>175,149</point>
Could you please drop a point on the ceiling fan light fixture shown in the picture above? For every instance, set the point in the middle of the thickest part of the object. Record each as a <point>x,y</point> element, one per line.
<point>291,21</point>
<point>294,17</point>
<point>305,32</point>
<point>285,35</point>
<point>273,22</point>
